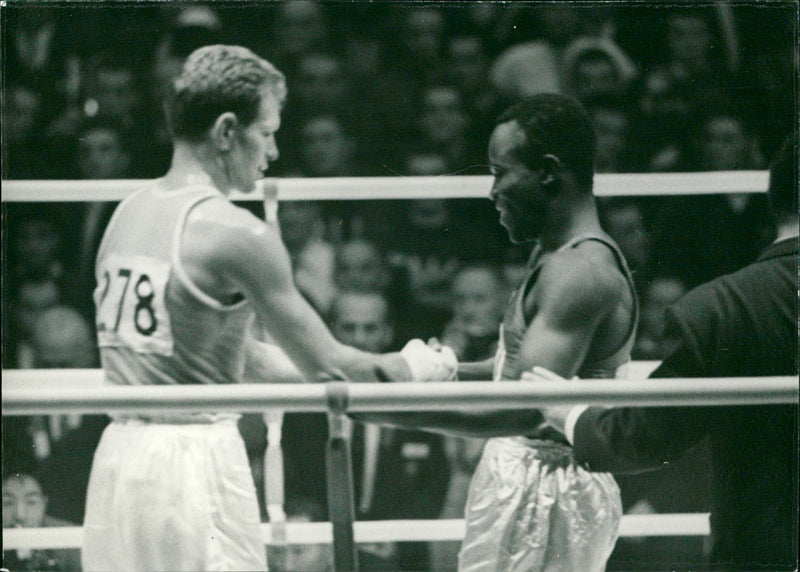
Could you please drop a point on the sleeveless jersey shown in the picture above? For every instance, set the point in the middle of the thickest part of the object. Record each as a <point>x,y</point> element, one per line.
<point>515,323</point>
<point>154,325</point>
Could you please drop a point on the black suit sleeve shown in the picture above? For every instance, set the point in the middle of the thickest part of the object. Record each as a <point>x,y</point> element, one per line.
<point>631,439</point>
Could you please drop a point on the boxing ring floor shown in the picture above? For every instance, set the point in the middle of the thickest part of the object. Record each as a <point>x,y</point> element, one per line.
<point>33,392</point>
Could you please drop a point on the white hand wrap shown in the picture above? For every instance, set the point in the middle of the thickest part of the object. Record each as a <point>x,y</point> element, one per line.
<point>428,364</point>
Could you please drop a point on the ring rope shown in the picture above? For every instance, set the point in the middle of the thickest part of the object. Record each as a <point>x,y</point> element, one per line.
<point>371,188</point>
<point>633,525</point>
<point>19,399</point>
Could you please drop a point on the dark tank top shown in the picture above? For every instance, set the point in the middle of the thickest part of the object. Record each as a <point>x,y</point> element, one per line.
<point>515,324</point>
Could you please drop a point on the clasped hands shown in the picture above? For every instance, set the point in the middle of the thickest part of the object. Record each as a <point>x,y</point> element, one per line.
<point>430,362</point>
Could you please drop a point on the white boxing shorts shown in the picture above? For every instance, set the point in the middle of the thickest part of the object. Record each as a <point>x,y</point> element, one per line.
<point>172,497</point>
<point>532,509</point>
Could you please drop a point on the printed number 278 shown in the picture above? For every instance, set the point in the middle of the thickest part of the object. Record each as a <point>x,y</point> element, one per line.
<point>144,317</point>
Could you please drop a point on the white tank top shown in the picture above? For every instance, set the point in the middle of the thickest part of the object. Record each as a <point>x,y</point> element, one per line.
<point>154,325</point>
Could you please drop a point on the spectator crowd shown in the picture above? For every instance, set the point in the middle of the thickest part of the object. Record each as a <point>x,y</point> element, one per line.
<point>382,89</point>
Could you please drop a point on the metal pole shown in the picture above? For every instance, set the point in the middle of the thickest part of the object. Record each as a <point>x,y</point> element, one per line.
<point>340,479</point>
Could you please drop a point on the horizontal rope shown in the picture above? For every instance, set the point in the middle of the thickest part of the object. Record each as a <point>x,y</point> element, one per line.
<point>17,399</point>
<point>680,524</point>
<point>47,379</point>
<point>369,188</point>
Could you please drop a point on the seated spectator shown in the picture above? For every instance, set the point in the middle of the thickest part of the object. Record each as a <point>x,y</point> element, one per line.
<point>398,474</point>
<point>22,131</point>
<point>696,69</point>
<point>650,341</point>
<point>188,28</point>
<point>32,296</point>
<point>468,69</point>
<point>298,28</point>
<point>720,138</point>
<point>444,128</point>
<point>425,252</point>
<point>614,126</point>
<point>420,34</point>
<point>385,100</point>
<point>526,69</point>
<point>61,446</point>
<point>595,67</point>
<point>103,151</point>
<point>25,506</point>
<point>329,149</point>
<point>311,557</point>
<point>478,296</point>
<point>623,219</point>
<point>361,266</point>
<point>304,234</point>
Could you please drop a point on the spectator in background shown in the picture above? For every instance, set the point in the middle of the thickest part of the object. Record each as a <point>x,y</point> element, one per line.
<point>63,445</point>
<point>398,474</point>
<point>526,69</point>
<point>25,506</point>
<point>22,131</point>
<point>303,233</point>
<point>420,35</point>
<point>361,266</point>
<point>329,149</point>
<point>468,70</point>
<point>385,99</point>
<point>720,139</point>
<point>696,68</point>
<point>111,91</point>
<point>478,296</point>
<point>651,343</point>
<point>298,28</point>
<point>306,557</point>
<point>319,86</point>
<point>614,126</point>
<point>597,67</point>
<point>623,219</point>
<point>444,128</point>
<point>32,295</point>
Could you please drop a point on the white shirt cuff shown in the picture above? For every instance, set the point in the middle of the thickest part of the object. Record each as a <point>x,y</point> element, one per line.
<point>572,420</point>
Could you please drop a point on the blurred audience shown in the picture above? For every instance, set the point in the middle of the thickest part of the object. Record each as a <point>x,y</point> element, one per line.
<point>25,506</point>
<point>650,342</point>
<point>398,474</point>
<point>60,447</point>
<point>478,297</point>
<point>303,231</point>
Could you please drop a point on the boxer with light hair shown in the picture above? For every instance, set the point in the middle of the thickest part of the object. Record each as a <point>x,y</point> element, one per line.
<point>182,276</point>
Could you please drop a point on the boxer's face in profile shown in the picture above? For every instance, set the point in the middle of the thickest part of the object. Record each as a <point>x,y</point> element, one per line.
<point>517,191</point>
<point>255,146</point>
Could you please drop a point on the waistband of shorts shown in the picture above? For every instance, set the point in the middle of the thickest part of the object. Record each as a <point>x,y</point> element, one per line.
<point>176,419</point>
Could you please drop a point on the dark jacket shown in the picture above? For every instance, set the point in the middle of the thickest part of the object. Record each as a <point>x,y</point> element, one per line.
<point>741,324</point>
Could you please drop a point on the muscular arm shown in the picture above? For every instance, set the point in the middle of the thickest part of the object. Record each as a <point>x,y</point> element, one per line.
<point>569,300</point>
<point>476,371</point>
<point>242,255</point>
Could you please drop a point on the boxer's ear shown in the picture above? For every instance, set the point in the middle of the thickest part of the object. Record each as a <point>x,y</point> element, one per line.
<point>551,168</point>
<point>223,131</point>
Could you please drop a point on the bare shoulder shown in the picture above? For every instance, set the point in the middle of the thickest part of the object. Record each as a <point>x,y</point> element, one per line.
<point>587,276</point>
<point>219,234</point>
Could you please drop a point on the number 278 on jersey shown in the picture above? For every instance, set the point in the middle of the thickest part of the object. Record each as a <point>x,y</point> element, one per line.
<point>130,302</point>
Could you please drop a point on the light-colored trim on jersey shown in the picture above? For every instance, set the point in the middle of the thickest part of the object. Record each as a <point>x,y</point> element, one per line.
<point>180,271</point>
